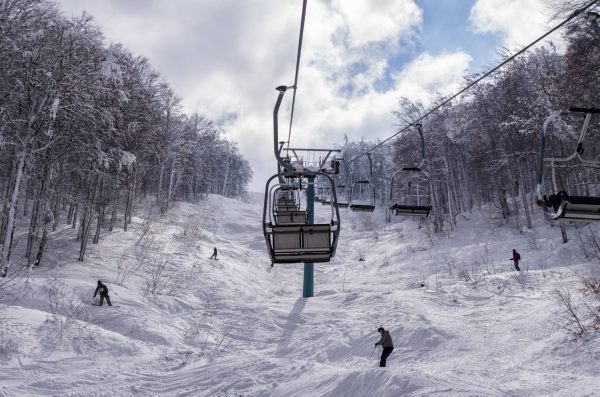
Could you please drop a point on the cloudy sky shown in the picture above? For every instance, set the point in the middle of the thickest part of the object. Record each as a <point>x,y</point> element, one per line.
<point>225,58</point>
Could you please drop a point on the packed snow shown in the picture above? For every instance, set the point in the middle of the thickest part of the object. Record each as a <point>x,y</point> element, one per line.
<point>463,321</point>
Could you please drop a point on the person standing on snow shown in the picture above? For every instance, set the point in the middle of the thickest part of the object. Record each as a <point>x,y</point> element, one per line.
<point>214,255</point>
<point>103,290</point>
<point>516,258</point>
<point>386,343</point>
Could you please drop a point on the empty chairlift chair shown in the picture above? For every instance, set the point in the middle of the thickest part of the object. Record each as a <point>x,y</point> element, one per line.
<point>290,239</point>
<point>563,204</point>
<point>342,199</point>
<point>362,193</point>
<point>319,194</point>
<point>411,197</point>
<point>362,198</point>
<point>326,199</point>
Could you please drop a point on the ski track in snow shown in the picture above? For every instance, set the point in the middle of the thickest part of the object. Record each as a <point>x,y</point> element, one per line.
<point>239,327</point>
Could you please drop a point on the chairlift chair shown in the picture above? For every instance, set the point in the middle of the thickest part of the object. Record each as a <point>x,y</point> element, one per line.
<point>362,193</point>
<point>362,197</point>
<point>326,199</point>
<point>415,197</point>
<point>342,199</point>
<point>290,239</point>
<point>561,204</point>
<point>318,194</point>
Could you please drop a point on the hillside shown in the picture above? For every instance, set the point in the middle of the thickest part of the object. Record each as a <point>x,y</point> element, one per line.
<point>463,322</point>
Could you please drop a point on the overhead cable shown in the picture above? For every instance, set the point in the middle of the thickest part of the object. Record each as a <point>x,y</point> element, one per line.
<point>295,87</point>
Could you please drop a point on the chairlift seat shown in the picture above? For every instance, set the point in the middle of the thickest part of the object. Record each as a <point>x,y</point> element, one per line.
<point>362,207</point>
<point>291,218</point>
<point>285,201</point>
<point>287,208</point>
<point>301,243</point>
<point>574,207</point>
<point>411,210</point>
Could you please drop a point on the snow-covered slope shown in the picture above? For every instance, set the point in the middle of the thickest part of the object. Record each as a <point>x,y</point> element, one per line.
<point>239,327</point>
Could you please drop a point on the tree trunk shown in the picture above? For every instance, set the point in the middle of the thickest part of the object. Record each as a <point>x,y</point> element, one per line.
<point>524,196</point>
<point>171,182</point>
<point>113,215</point>
<point>7,199</point>
<point>12,208</point>
<point>130,197</point>
<point>160,181</point>
<point>70,213</point>
<point>563,231</point>
<point>88,220</point>
<point>75,212</point>
<point>40,251</point>
<point>100,214</point>
<point>511,183</point>
<point>24,187</point>
<point>225,176</point>
<point>56,212</point>
<point>35,213</point>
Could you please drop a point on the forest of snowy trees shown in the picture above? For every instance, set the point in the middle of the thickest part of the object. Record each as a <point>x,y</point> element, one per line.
<point>483,147</point>
<point>86,128</point>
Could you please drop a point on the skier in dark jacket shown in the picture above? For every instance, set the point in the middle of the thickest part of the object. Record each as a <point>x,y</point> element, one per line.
<point>386,343</point>
<point>214,255</point>
<point>516,258</point>
<point>103,290</point>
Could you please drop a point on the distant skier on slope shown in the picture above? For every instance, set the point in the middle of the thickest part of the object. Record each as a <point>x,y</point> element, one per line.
<point>516,257</point>
<point>214,255</point>
<point>386,343</point>
<point>103,290</point>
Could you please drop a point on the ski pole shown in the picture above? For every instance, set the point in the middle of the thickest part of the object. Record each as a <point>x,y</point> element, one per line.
<point>373,351</point>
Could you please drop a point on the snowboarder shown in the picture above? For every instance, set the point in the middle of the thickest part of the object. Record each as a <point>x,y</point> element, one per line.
<point>386,343</point>
<point>103,290</point>
<point>214,255</point>
<point>516,258</point>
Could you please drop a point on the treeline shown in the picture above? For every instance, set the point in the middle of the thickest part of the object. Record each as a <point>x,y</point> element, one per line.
<point>485,146</point>
<point>87,128</point>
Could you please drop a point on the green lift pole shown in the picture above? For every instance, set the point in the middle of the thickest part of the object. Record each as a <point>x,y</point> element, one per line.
<point>309,268</point>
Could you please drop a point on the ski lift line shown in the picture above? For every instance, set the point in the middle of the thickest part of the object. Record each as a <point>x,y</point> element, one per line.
<point>297,69</point>
<point>487,74</point>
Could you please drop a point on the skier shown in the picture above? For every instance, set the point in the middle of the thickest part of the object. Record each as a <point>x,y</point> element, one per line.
<point>386,343</point>
<point>103,290</point>
<point>214,255</point>
<point>516,258</point>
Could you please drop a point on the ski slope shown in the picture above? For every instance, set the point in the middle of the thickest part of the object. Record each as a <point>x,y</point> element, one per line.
<point>239,327</point>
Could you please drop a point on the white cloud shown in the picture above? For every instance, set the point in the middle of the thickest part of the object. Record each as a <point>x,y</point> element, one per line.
<point>370,21</point>
<point>428,76</point>
<point>519,22</point>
